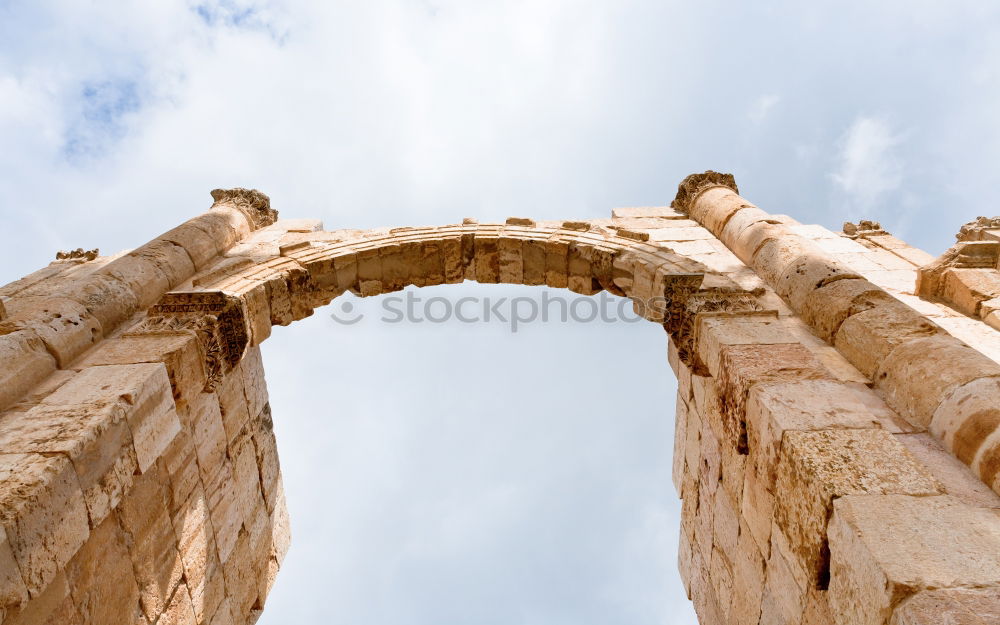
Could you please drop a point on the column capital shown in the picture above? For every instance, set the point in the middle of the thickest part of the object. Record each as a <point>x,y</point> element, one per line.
<point>694,185</point>
<point>251,202</point>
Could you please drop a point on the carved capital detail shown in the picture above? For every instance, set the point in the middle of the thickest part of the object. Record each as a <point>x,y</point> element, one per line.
<point>975,230</point>
<point>78,254</point>
<point>685,308</point>
<point>218,319</point>
<point>863,229</point>
<point>251,202</point>
<point>694,185</point>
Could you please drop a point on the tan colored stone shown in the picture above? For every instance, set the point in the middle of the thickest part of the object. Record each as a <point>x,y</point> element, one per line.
<point>748,581</point>
<point>43,514</point>
<point>54,606</point>
<point>827,307</point>
<point>145,388</point>
<point>806,405</point>
<point>180,611</point>
<point>884,548</point>
<point>65,326</point>
<point>821,466</point>
<point>227,510</point>
<point>179,465</point>
<point>152,543</point>
<point>199,554</point>
<point>868,337</point>
<point>12,589</point>
<point>233,404</point>
<point>967,289</point>
<point>955,478</point>
<point>954,606</point>
<point>680,440</point>
<point>715,332</point>
<point>101,580</point>
<point>24,362</point>
<point>917,376</point>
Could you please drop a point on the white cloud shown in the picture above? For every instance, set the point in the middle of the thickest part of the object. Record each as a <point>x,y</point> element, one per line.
<point>869,166</point>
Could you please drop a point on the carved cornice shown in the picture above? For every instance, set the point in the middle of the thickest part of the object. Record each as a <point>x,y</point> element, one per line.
<point>251,202</point>
<point>962,255</point>
<point>218,319</point>
<point>79,254</point>
<point>686,306</point>
<point>973,231</point>
<point>863,229</point>
<point>694,185</point>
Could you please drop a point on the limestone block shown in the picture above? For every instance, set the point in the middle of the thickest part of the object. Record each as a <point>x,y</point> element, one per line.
<point>715,332</point>
<point>806,405</point>
<point>179,465</point>
<point>920,373</point>
<point>181,353</point>
<point>281,529</point>
<point>511,262</point>
<point>233,404</point>
<point>43,515</point>
<point>152,543</point>
<point>817,610</point>
<point>661,212</point>
<point>54,606</point>
<point>757,508</point>
<point>742,366</point>
<point>720,572</point>
<point>967,422</point>
<point>725,524</point>
<point>708,486</point>
<point>199,554</point>
<point>777,254</point>
<point>64,325</point>
<point>101,579</point>
<point>747,230</point>
<point>808,272</point>
<point>692,444</point>
<point>817,467</point>
<point>145,388</point>
<point>783,600</point>
<point>266,450</point>
<point>533,262</point>
<point>24,362</point>
<point>254,385</point>
<point>748,581</point>
<point>94,436</point>
<point>224,615</point>
<point>955,606</point>
<point>241,578</point>
<point>967,289</point>
<point>12,589</point>
<point>884,548</point>
<point>487,256</point>
<point>556,263</point>
<point>680,439</point>
<point>684,563</point>
<point>181,610</point>
<point>867,337</point>
<point>200,246</point>
<point>258,307</point>
<point>706,606</point>
<point>734,464</point>
<point>226,508</point>
<point>145,278</point>
<point>955,478</point>
<point>243,460</point>
<point>109,299</point>
<point>827,307</point>
<point>207,433</point>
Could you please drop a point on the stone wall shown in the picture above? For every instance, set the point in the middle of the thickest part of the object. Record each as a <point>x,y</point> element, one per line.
<point>836,422</point>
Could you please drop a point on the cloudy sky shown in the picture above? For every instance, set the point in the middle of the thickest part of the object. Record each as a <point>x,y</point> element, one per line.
<point>453,474</point>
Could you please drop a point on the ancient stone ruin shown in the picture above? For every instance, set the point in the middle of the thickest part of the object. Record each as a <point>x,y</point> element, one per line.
<point>837,446</point>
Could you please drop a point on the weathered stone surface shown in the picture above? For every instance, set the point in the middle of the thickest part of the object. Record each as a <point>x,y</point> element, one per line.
<point>43,514</point>
<point>824,465</point>
<point>954,606</point>
<point>101,579</point>
<point>885,548</point>
<point>869,336</point>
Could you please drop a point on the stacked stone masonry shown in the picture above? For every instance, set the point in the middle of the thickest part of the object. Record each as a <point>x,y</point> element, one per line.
<point>837,441</point>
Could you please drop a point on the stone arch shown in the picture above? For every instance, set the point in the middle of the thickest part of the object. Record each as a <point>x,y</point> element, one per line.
<point>141,479</point>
